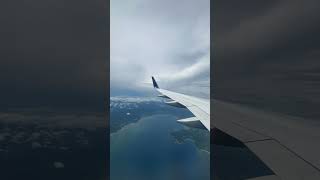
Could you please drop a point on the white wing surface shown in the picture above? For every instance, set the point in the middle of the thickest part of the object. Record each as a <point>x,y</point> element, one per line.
<point>289,146</point>
<point>198,106</point>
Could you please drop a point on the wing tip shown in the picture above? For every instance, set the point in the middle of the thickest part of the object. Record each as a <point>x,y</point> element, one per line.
<point>154,82</point>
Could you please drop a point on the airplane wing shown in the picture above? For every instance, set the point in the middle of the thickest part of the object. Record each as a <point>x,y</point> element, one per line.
<point>199,107</point>
<point>289,146</point>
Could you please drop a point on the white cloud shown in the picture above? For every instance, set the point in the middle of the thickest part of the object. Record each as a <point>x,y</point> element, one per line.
<point>167,39</point>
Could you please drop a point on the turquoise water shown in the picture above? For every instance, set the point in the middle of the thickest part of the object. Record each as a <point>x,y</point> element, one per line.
<point>146,150</point>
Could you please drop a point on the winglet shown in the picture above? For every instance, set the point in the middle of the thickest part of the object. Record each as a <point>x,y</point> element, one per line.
<point>155,85</point>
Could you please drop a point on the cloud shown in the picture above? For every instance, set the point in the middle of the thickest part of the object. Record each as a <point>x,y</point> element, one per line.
<point>199,69</point>
<point>160,39</point>
<point>53,53</point>
<point>265,52</point>
<point>133,100</point>
<point>50,119</point>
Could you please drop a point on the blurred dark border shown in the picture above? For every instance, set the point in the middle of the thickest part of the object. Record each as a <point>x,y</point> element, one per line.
<point>54,76</point>
<point>265,55</point>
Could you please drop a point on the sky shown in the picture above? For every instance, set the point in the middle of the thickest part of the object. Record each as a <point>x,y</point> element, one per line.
<point>267,54</point>
<point>53,53</point>
<point>53,81</point>
<point>166,39</point>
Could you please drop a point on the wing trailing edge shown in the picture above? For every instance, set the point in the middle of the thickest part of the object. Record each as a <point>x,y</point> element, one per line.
<point>163,96</point>
<point>192,122</point>
<point>175,104</point>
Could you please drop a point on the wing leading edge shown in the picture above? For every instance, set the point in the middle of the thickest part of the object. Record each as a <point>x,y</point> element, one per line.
<point>197,106</point>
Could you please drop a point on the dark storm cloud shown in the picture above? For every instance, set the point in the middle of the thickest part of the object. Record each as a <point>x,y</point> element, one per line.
<point>53,52</point>
<point>267,53</point>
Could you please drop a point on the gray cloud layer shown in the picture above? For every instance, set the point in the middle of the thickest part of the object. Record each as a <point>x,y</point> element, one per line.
<point>167,39</point>
<point>267,53</point>
<point>53,53</point>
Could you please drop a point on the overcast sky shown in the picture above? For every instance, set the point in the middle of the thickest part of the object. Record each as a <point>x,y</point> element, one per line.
<point>267,53</point>
<point>167,39</point>
<point>53,53</point>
